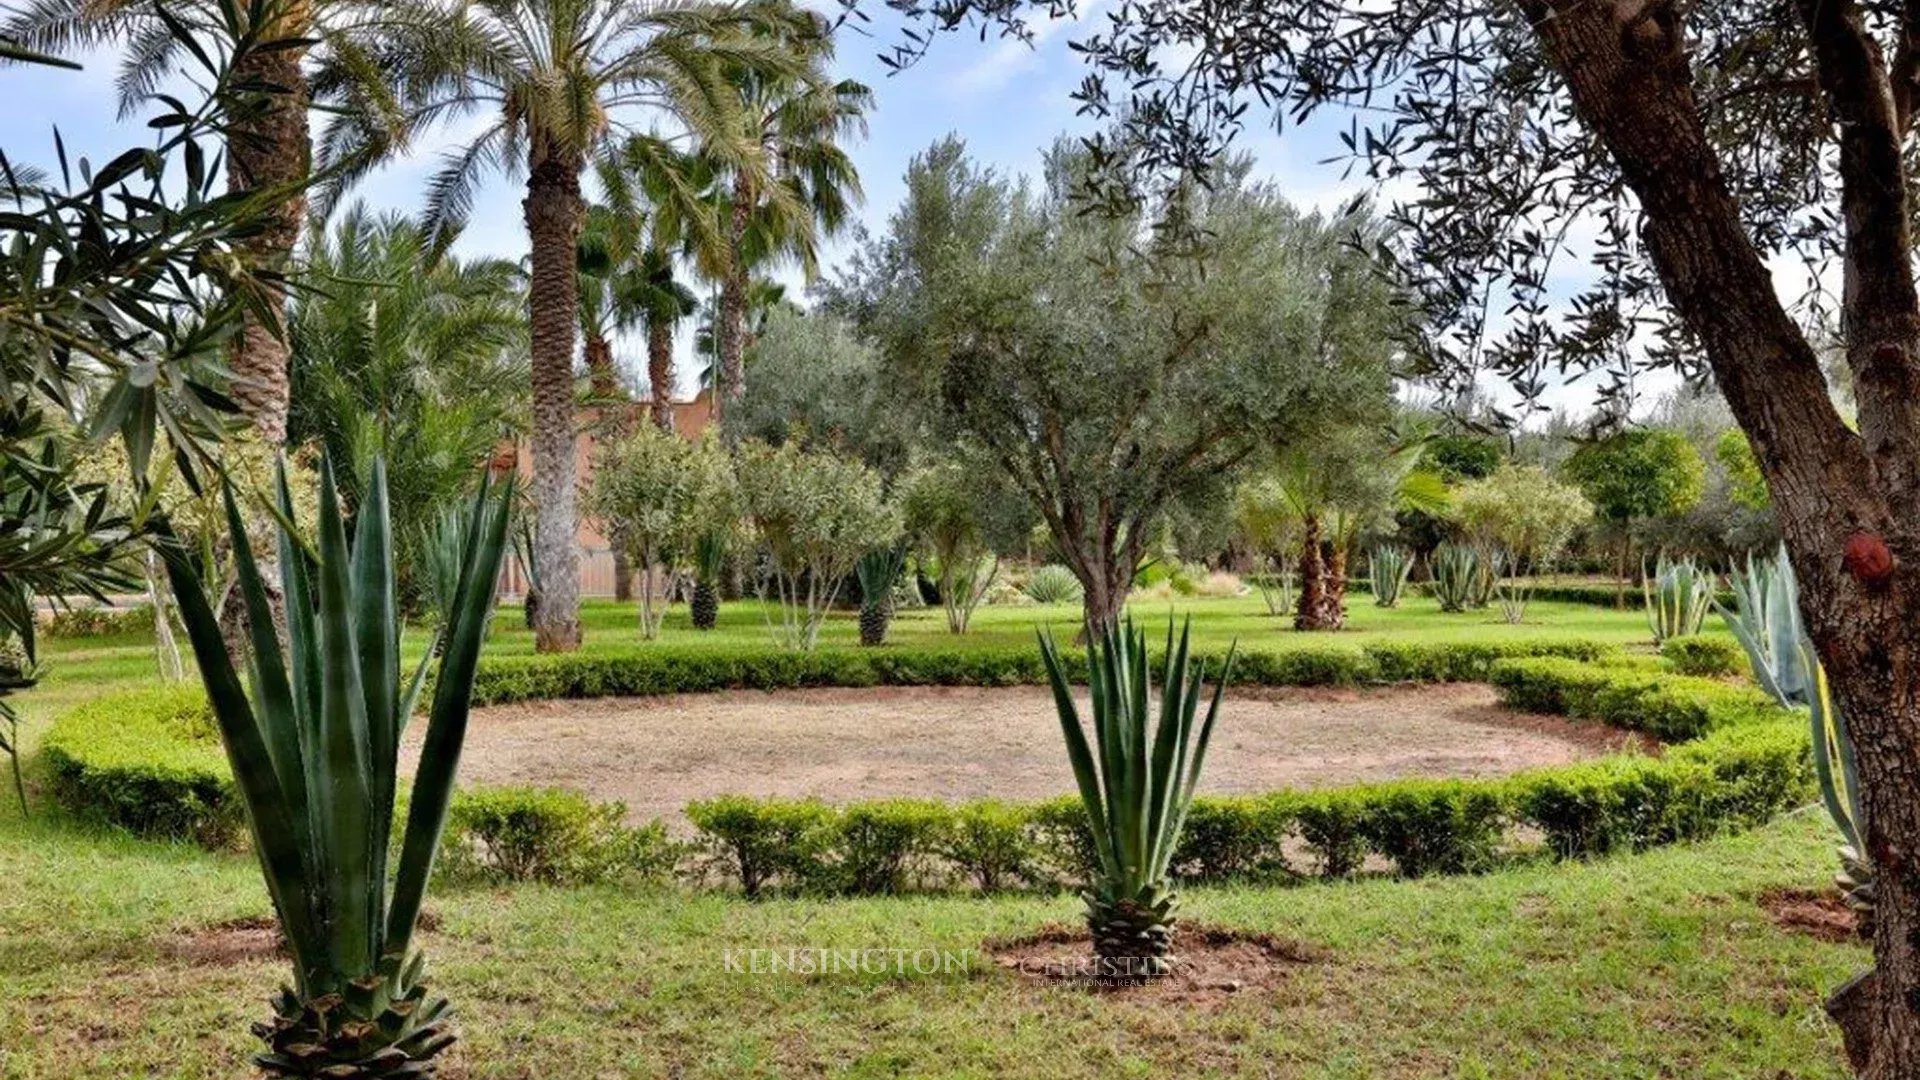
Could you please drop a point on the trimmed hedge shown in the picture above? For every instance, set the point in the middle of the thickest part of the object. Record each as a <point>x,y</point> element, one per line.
<point>666,670</point>
<point>149,761</point>
<point>1710,656</point>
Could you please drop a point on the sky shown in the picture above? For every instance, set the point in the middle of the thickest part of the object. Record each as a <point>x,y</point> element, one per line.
<point>1007,99</point>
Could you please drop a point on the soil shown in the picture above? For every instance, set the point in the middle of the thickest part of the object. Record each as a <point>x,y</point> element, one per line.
<point>1210,964</point>
<point>656,754</point>
<point>1822,914</point>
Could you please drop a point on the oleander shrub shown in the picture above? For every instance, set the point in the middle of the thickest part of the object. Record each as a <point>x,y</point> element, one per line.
<point>1711,657</point>
<point>554,836</point>
<point>762,843</point>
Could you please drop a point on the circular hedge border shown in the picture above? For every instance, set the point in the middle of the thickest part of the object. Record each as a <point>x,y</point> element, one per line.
<point>149,761</point>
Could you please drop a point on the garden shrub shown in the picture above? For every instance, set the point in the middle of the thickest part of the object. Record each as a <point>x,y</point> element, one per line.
<point>1235,838</point>
<point>98,621</point>
<point>149,761</point>
<point>1434,826</point>
<point>1332,825</point>
<point>771,841</point>
<point>554,836</point>
<point>988,843</point>
<point>1696,654</point>
<point>884,843</point>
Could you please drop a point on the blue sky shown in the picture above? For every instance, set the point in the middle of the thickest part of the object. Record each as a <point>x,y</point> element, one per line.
<point>1008,101</point>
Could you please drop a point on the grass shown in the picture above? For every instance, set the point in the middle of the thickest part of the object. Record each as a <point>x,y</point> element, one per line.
<point>1654,965</point>
<point>1649,966</point>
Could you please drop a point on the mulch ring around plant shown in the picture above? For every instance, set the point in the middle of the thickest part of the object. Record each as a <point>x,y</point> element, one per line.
<point>1819,913</point>
<point>1210,964</point>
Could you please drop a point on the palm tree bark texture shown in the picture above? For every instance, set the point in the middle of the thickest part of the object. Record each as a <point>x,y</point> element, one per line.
<point>731,329</point>
<point>554,211</point>
<point>1848,501</point>
<point>270,147</point>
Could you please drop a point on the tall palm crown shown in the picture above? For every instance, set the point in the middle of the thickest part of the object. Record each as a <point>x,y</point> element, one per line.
<point>562,81</point>
<point>795,185</point>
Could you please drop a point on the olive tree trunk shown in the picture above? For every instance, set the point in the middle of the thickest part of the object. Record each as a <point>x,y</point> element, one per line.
<point>554,211</point>
<point>1848,501</point>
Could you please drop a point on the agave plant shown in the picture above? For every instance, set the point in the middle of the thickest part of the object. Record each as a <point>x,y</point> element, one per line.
<point>1678,595</point>
<point>1839,789</point>
<point>1766,620</point>
<point>1389,566</point>
<point>878,570</point>
<point>1136,786</point>
<point>1054,584</point>
<point>314,752</point>
<point>1456,573</point>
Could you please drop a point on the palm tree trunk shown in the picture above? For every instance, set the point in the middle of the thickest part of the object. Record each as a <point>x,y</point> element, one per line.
<point>602,380</point>
<point>554,211</point>
<point>271,148</point>
<point>660,371</point>
<point>730,330</point>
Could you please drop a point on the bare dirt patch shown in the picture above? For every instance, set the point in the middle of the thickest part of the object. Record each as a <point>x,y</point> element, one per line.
<point>238,941</point>
<point>1210,964</point>
<point>1822,914</point>
<point>953,743</point>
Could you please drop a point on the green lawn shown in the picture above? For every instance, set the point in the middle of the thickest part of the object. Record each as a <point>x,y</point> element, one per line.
<point>1658,965</point>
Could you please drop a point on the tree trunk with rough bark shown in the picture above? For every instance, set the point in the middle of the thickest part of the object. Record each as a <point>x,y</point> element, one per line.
<point>554,211</point>
<point>660,371</point>
<point>603,381</point>
<point>730,330</point>
<point>1848,501</point>
<point>1323,587</point>
<point>1104,580</point>
<point>271,147</point>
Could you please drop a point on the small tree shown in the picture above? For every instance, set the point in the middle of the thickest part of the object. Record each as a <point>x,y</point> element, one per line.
<point>660,494</point>
<point>1630,476</point>
<point>815,513</point>
<point>1518,518</point>
<point>961,518</point>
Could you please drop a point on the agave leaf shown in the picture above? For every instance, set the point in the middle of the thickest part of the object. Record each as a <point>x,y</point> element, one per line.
<point>448,715</point>
<point>279,723</point>
<point>1079,755</point>
<point>275,837</point>
<point>344,743</point>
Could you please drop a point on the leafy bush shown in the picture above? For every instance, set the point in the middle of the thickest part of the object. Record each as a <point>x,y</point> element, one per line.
<point>1705,656</point>
<point>990,844</point>
<point>147,761</point>
<point>1435,826</point>
<point>883,843</point>
<point>1054,584</point>
<point>553,836</point>
<point>768,842</point>
<point>1673,708</point>
<point>84,622</point>
<point>1236,839</point>
<point>1332,825</point>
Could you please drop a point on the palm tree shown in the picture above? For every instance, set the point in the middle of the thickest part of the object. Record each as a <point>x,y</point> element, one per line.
<point>560,77</point>
<point>662,191</point>
<point>764,296</point>
<point>420,361</point>
<point>798,186</point>
<point>268,146</point>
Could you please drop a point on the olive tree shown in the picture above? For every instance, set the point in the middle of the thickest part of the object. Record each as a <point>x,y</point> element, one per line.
<point>660,493</point>
<point>1519,519</point>
<point>1680,152</point>
<point>961,518</point>
<point>1104,370</point>
<point>814,513</point>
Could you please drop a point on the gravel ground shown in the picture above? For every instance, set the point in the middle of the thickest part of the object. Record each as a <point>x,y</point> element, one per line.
<point>656,754</point>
